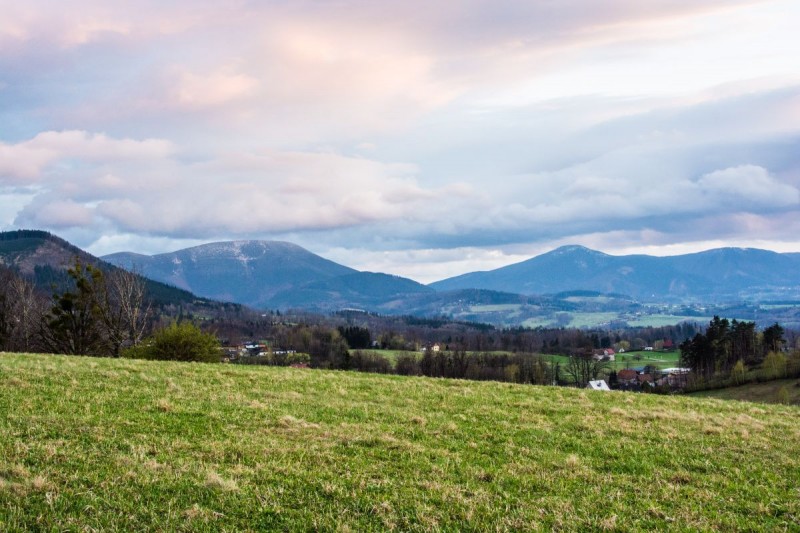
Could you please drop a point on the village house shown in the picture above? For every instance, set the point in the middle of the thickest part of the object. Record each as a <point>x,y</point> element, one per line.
<point>627,376</point>
<point>599,384</point>
<point>604,354</point>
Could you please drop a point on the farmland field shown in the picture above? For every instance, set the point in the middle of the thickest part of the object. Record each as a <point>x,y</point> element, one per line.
<point>632,359</point>
<point>664,320</point>
<point>105,444</point>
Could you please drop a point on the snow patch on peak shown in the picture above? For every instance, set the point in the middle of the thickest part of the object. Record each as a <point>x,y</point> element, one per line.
<point>573,249</point>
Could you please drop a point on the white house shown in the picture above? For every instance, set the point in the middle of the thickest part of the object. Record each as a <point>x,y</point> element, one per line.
<point>600,384</point>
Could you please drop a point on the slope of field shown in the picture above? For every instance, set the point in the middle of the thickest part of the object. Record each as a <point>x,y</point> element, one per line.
<point>778,391</point>
<point>102,444</point>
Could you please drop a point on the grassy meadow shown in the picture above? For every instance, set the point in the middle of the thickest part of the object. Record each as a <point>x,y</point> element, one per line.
<point>118,445</point>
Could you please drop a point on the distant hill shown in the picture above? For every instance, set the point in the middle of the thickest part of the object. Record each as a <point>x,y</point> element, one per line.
<point>27,250</point>
<point>247,272</point>
<point>44,258</point>
<point>714,275</point>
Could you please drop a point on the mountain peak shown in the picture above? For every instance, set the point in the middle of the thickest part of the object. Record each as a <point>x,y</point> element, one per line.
<point>243,271</point>
<point>574,249</point>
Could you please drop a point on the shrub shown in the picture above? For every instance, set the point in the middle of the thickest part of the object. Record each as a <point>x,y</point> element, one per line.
<point>407,365</point>
<point>783,395</point>
<point>178,342</point>
<point>774,365</point>
<point>739,372</point>
<point>370,362</point>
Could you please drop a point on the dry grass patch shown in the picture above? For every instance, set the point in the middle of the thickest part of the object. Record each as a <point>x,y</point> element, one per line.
<point>14,381</point>
<point>164,405</point>
<point>215,481</point>
<point>291,422</point>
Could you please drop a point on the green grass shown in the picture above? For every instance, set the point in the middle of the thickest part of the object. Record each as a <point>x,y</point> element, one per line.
<point>120,445</point>
<point>626,360</point>
<point>391,355</point>
<point>766,392</point>
<point>656,359</point>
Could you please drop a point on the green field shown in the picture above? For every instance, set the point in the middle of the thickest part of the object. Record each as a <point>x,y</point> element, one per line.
<point>777,391</point>
<point>120,445</point>
<point>642,358</point>
<point>577,320</point>
<point>629,359</point>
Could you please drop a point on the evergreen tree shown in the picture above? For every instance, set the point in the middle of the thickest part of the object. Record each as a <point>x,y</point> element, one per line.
<point>74,325</point>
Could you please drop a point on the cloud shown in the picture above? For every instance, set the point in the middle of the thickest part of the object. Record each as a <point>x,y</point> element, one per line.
<point>198,90</point>
<point>146,186</point>
<point>388,127</point>
<point>25,162</point>
<point>747,188</point>
<point>54,213</point>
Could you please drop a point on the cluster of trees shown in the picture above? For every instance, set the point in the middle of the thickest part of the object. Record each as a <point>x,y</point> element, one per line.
<point>728,347</point>
<point>456,364</point>
<point>356,336</point>
<point>95,312</point>
<point>99,314</point>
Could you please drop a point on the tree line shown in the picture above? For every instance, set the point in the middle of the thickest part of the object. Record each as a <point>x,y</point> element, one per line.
<point>95,312</point>
<point>98,314</point>
<point>730,352</point>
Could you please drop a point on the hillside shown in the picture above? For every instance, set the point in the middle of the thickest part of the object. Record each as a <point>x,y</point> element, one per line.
<point>103,444</point>
<point>44,258</point>
<point>727,274</point>
<point>27,250</point>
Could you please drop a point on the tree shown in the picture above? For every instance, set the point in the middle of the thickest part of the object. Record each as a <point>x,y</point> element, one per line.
<point>723,344</point>
<point>120,303</point>
<point>28,308</point>
<point>356,337</point>
<point>178,342</point>
<point>739,372</point>
<point>697,354</point>
<point>74,325</point>
<point>21,312</point>
<point>774,365</point>
<point>773,340</point>
<point>6,277</point>
<point>580,369</point>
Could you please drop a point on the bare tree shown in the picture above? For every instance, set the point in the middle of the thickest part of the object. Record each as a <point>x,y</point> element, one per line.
<point>583,368</point>
<point>28,308</point>
<point>122,307</point>
<point>6,325</point>
<point>129,292</point>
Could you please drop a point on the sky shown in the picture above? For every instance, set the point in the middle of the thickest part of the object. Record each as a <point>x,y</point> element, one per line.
<point>423,139</point>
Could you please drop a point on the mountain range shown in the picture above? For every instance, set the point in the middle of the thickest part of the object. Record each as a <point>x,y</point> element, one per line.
<point>570,279</point>
<point>280,275</point>
<point>723,274</point>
